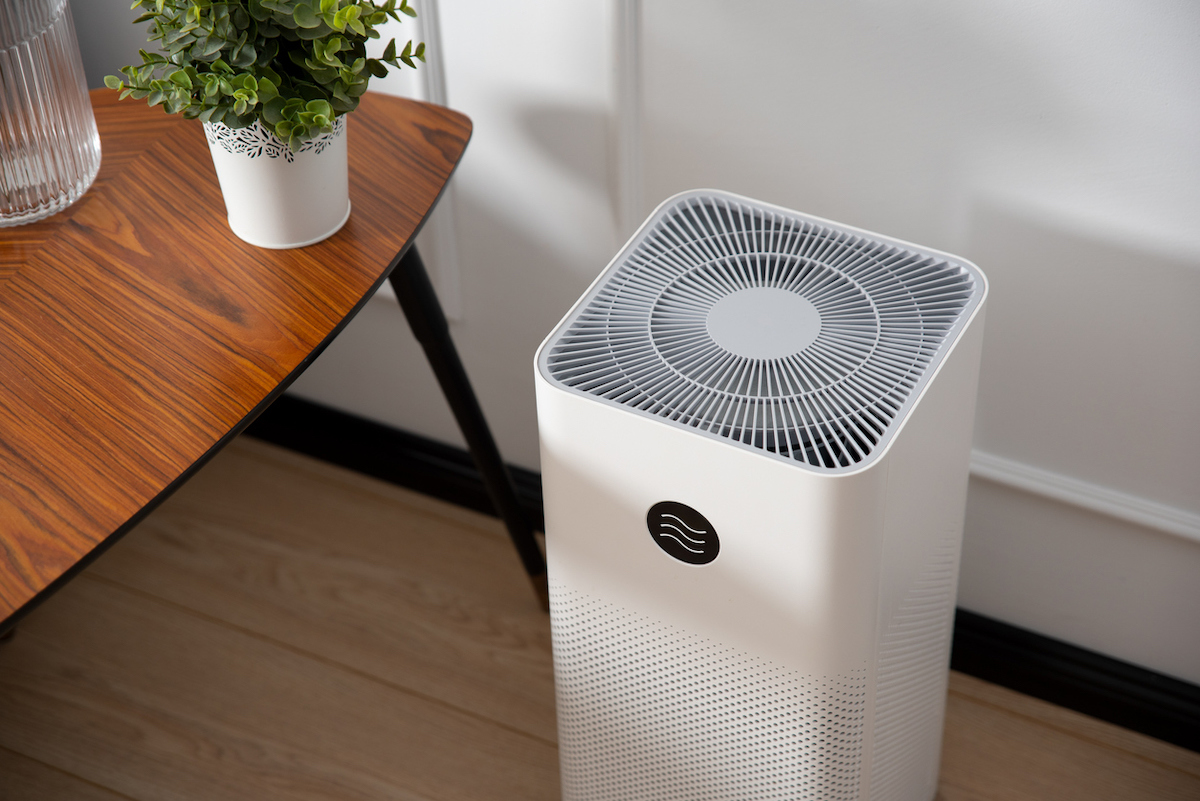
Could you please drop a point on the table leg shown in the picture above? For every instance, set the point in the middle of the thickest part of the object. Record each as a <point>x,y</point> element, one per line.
<point>428,323</point>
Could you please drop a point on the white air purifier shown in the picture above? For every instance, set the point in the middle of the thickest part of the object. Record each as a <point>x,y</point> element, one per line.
<point>755,429</point>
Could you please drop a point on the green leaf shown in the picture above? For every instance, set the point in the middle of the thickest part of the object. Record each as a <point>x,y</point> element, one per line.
<point>113,82</point>
<point>305,17</point>
<point>267,90</point>
<point>208,47</point>
<point>175,36</point>
<point>309,34</point>
<point>321,107</point>
<point>180,78</point>
<point>389,52</point>
<point>260,14</point>
<point>245,57</point>
<point>272,111</point>
<point>328,6</point>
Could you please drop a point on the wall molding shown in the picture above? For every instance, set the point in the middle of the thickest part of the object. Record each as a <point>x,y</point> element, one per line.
<point>440,231</point>
<point>1082,494</point>
<point>437,240</point>
<point>389,454</point>
<point>627,108</point>
<point>1076,678</point>
<point>1063,674</point>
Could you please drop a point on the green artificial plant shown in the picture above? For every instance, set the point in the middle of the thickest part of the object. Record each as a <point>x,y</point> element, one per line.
<point>295,65</point>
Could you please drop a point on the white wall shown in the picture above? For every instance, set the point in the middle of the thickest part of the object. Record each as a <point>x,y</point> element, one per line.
<point>107,40</point>
<point>1053,144</point>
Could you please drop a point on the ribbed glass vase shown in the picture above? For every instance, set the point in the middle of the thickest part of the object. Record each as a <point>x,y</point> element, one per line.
<point>49,146</point>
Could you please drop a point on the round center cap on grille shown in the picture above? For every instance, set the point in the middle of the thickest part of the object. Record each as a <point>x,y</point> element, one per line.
<point>763,323</point>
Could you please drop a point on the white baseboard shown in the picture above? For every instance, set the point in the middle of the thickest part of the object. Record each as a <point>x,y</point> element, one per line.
<point>1103,500</point>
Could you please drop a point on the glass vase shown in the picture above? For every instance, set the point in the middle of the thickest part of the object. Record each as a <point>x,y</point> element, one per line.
<point>49,146</point>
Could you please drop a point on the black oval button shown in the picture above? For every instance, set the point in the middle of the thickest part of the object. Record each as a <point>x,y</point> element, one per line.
<point>683,532</point>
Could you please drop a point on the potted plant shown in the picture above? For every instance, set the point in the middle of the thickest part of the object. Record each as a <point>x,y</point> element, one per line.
<point>272,81</point>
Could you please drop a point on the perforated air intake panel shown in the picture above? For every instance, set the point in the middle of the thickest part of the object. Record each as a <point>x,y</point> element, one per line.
<point>765,327</point>
<point>649,712</point>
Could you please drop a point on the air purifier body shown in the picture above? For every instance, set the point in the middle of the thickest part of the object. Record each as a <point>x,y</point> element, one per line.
<point>755,434</point>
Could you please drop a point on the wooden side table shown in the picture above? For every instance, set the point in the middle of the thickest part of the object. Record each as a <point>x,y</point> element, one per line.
<point>138,335</point>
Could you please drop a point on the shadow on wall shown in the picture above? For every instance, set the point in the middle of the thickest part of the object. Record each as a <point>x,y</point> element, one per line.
<point>519,286</point>
<point>577,139</point>
<point>107,38</point>
<point>516,287</point>
<point>859,112</point>
<point>1089,364</point>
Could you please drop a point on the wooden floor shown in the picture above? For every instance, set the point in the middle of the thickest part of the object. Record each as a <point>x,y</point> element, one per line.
<point>284,629</point>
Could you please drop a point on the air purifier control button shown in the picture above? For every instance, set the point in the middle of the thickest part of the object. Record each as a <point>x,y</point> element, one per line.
<point>683,533</point>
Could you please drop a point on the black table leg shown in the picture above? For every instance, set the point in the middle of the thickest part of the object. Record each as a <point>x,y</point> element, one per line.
<point>428,322</point>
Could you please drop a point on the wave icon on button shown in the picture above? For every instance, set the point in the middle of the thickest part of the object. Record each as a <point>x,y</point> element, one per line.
<point>683,533</point>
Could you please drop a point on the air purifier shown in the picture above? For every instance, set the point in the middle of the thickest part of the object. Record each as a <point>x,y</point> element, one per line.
<point>755,431</point>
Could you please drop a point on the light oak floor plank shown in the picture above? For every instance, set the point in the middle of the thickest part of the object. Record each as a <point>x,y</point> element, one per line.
<point>25,778</point>
<point>379,578</point>
<point>157,702</point>
<point>285,629</point>
<point>1000,745</point>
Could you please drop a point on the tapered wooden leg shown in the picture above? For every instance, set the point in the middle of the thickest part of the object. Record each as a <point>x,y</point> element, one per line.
<point>428,323</point>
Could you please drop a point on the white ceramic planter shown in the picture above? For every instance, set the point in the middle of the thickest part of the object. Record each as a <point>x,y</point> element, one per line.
<point>276,198</point>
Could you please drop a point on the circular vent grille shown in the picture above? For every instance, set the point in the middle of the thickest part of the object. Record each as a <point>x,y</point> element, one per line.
<point>692,325</point>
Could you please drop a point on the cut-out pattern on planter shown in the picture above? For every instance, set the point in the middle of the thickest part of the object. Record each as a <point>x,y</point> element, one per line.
<point>255,140</point>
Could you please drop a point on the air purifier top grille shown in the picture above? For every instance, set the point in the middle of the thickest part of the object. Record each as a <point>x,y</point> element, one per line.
<point>765,327</point>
